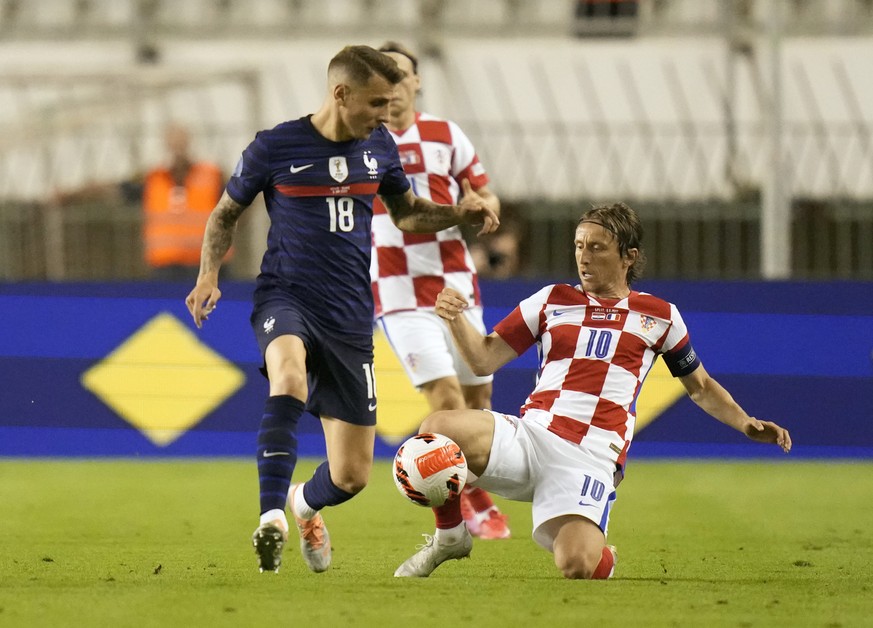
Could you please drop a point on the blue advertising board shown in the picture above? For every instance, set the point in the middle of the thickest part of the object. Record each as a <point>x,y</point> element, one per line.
<point>120,370</point>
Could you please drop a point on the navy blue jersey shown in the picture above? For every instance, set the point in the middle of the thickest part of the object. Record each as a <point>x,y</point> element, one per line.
<point>319,195</point>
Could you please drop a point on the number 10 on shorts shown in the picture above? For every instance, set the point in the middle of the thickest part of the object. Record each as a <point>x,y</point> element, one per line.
<point>591,488</point>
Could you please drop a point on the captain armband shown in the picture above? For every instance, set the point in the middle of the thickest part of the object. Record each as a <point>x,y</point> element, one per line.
<point>682,361</point>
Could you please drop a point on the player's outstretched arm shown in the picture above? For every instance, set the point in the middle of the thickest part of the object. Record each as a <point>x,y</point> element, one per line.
<point>220,227</point>
<point>419,215</point>
<point>718,403</point>
<point>484,354</point>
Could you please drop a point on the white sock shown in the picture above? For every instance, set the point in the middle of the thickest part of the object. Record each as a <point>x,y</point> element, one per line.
<point>273,515</point>
<point>450,536</point>
<point>301,509</point>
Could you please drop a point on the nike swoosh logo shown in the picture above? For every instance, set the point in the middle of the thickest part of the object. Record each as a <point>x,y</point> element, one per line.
<point>371,407</point>
<point>296,169</point>
<point>583,504</point>
<point>557,313</point>
<point>270,454</point>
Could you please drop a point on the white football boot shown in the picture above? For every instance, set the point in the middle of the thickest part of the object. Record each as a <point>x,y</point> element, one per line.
<point>432,554</point>
<point>314,538</point>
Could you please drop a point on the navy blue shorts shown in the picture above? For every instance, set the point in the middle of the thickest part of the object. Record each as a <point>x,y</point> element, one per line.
<point>339,367</point>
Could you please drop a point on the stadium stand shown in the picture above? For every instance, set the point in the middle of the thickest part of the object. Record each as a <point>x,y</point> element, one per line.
<point>676,117</point>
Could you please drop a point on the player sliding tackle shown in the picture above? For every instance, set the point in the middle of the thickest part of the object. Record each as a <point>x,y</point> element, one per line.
<point>567,452</point>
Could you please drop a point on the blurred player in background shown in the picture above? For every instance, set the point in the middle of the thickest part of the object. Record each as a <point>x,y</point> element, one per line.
<point>177,197</point>
<point>596,342</point>
<point>313,306</point>
<point>408,270</point>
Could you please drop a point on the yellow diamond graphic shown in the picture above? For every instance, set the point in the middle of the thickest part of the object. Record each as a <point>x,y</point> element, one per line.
<point>401,407</point>
<point>660,391</point>
<point>163,380</point>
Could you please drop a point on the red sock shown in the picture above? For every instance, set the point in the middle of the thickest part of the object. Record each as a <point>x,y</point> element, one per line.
<point>604,567</point>
<point>448,515</point>
<point>479,498</point>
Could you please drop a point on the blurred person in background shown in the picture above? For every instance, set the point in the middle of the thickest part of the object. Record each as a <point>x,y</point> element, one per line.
<point>497,256</point>
<point>313,303</point>
<point>176,199</point>
<point>408,270</point>
<point>567,453</point>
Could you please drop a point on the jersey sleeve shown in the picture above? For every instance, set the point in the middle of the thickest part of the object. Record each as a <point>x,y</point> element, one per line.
<point>523,326</point>
<point>394,182</point>
<point>679,355</point>
<point>465,161</point>
<point>251,174</point>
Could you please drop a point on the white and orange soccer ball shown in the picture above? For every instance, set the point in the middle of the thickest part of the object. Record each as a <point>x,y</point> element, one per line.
<point>430,469</point>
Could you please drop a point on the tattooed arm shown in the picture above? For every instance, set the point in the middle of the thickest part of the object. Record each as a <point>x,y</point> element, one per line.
<point>418,215</point>
<point>217,239</point>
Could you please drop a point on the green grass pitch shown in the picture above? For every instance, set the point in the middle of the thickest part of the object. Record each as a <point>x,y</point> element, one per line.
<point>166,543</point>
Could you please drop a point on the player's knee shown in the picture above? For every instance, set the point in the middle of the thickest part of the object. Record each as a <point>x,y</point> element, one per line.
<point>289,382</point>
<point>439,422</point>
<point>577,572</point>
<point>576,567</point>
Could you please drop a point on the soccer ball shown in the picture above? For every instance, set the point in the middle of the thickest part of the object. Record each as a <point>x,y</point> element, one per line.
<point>430,469</point>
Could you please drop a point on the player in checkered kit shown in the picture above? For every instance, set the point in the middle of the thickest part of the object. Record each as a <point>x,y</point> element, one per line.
<point>408,270</point>
<point>597,342</point>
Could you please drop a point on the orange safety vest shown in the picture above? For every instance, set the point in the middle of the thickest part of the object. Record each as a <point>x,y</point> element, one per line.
<point>175,215</point>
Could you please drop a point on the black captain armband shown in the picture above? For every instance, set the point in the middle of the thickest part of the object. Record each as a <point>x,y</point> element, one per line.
<point>682,361</point>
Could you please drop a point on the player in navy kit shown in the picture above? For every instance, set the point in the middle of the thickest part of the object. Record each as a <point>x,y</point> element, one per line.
<point>313,305</point>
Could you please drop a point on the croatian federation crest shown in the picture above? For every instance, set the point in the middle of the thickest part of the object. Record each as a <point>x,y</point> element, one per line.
<point>647,322</point>
<point>338,168</point>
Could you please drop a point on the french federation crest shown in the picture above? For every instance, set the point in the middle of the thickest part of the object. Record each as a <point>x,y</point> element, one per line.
<point>372,164</point>
<point>338,168</point>
<point>269,324</point>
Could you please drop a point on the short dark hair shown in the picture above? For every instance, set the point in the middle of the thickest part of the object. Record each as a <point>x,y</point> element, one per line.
<point>362,62</point>
<point>394,46</point>
<point>623,223</point>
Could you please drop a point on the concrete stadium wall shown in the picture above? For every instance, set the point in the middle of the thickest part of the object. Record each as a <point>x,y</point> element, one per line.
<point>119,370</point>
<point>552,118</point>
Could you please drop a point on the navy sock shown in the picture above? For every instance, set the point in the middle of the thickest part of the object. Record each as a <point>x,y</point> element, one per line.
<point>320,491</point>
<point>277,449</point>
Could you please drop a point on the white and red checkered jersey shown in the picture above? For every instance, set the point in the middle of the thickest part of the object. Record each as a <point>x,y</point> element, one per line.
<point>594,355</point>
<point>408,270</point>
